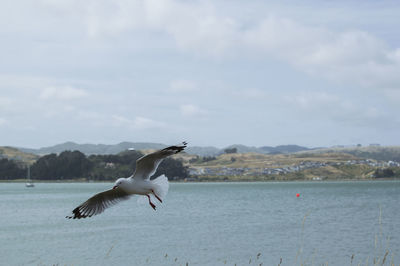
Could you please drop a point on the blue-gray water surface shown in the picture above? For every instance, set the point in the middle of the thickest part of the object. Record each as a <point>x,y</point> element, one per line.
<point>339,223</point>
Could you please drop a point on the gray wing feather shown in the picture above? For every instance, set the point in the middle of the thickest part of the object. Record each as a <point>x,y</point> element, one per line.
<point>147,165</point>
<point>98,203</point>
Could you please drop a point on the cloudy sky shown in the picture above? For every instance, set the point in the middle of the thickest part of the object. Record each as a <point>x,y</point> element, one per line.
<point>213,73</point>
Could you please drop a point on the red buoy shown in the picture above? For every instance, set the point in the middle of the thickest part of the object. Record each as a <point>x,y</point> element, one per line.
<point>298,195</point>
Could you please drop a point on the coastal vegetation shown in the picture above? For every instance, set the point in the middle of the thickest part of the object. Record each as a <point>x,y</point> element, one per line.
<point>10,170</point>
<point>74,165</point>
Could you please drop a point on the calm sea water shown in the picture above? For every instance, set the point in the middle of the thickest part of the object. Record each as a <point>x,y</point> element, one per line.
<point>205,224</point>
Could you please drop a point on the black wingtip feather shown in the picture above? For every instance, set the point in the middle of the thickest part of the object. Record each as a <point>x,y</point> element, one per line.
<point>77,214</point>
<point>176,148</point>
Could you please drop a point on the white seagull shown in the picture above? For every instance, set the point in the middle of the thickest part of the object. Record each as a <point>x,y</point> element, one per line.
<point>139,183</point>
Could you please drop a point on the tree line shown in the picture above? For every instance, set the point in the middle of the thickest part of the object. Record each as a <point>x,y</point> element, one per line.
<point>70,165</point>
<point>10,170</point>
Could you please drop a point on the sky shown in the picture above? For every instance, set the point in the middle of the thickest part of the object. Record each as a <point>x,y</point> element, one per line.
<point>213,73</point>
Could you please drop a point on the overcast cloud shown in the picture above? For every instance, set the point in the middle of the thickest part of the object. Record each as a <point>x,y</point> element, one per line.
<point>315,73</point>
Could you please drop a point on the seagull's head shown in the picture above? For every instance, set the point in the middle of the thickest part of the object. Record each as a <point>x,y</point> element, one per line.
<point>119,183</point>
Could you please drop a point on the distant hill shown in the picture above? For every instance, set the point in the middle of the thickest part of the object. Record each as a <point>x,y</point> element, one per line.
<point>380,153</point>
<point>102,149</point>
<point>242,148</point>
<point>283,149</point>
<point>203,151</point>
<point>17,155</point>
<point>367,152</point>
<point>89,149</point>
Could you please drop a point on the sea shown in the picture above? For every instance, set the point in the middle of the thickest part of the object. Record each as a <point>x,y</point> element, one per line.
<point>251,223</point>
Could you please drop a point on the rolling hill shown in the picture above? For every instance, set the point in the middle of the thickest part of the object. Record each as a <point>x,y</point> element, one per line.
<point>89,149</point>
<point>17,155</point>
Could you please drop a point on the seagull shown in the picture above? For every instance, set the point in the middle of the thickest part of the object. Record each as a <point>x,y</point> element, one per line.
<point>139,183</point>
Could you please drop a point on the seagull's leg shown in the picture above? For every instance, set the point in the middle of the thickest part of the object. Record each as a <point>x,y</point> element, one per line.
<point>151,203</point>
<point>159,199</point>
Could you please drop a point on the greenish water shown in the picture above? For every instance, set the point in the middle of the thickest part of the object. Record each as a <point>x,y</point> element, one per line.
<point>204,224</point>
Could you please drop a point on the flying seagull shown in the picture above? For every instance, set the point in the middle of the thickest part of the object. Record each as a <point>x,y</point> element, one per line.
<point>139,183</point>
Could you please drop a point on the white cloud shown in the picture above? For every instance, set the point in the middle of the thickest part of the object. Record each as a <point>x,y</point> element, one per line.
<point>349,56</point>
<point>146,123</point>
<point>190,110</point>
<point>62,93</point>
<point>182,85</point>
<point>339,110</point>
<point>139,122</point>
<point>252,93</point>
<point>200,29</point>
<point>194,26</point>
<point>2,121</point>
<point>393,96</point>
<point>353,56</point>
<point>343,55</point>
<point>5,103</point>
<point>313,100</point>
<point>21,81</point>
<point>121,120</point>
<point>105,17</point>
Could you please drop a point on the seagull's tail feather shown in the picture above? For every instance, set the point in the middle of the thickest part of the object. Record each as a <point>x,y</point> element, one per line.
<point>161,186</point>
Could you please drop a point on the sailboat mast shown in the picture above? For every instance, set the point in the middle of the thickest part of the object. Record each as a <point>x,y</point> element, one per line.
<point>28,177</point>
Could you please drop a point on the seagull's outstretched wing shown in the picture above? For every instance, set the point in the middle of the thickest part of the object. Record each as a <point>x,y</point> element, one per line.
<point>98,203</point>
<point>147,165</point>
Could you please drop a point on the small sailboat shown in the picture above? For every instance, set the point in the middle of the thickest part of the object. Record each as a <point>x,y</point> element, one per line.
<point>29,182</point>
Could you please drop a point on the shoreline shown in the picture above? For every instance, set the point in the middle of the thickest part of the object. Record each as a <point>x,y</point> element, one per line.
<point>210,181</point>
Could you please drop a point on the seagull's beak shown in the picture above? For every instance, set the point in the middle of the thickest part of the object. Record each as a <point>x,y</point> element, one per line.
<point>114,187</point>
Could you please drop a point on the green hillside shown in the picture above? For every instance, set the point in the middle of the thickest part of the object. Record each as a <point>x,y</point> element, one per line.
<point>297,166</point>
<point>17,155</point>
<point>383,153</point>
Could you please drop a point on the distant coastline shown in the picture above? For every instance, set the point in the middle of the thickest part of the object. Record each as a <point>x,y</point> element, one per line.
<point>236,163</point>
<point>22,181</point>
